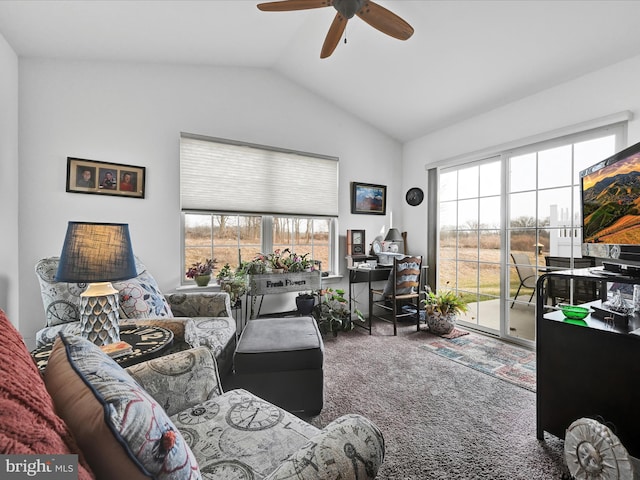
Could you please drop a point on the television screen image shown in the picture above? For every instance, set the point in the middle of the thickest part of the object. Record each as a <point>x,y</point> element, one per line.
<point>611,200</point>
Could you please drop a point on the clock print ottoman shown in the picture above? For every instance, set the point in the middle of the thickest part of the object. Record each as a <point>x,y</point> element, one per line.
<point>281,360</point>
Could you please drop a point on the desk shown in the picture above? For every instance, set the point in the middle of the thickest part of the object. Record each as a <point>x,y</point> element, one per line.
<point>368,276</point>
<point>148,342</point>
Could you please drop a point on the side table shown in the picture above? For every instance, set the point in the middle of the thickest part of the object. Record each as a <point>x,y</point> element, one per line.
<point>147,342</point>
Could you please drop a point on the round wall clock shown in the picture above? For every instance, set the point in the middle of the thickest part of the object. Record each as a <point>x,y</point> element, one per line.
<point>414,196</point>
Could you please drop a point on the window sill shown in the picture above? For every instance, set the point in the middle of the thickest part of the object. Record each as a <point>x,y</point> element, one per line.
<point>332,279</point>
<point>212,287</point>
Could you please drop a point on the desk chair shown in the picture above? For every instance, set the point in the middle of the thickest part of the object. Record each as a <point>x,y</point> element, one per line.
<point>402,288</point>
<point>526,274</point>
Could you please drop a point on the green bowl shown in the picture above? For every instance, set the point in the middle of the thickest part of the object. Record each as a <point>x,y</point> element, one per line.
<point>574,312</point>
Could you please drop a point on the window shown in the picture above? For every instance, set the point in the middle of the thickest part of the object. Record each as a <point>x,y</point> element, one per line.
<point>231,238</point>
<point>240,199</point>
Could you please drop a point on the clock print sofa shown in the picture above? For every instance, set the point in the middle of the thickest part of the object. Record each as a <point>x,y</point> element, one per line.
<point>196,319</point>
<point>167,418</point>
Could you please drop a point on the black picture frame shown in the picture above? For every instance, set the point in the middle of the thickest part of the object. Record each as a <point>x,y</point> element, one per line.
<point>368,198</point>
<point>105,178</point>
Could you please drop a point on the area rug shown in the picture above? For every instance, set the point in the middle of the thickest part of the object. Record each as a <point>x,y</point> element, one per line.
<point>499,359</point>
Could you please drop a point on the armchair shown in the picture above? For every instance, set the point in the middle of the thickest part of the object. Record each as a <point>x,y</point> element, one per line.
<point>195,318</point>
<point>239,429</point>
<point>167,418</point>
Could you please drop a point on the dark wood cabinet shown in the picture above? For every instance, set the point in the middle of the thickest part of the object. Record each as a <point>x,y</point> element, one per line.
<point>587,368</point>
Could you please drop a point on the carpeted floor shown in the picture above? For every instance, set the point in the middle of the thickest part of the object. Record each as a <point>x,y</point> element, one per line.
<point>440,419</point>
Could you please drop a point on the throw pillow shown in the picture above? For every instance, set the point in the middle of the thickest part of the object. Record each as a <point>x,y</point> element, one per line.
<point>140,297</point>
<point>388,288</point>
<point>122,430</point>
<point>61,300</point>
<point>28,423</point>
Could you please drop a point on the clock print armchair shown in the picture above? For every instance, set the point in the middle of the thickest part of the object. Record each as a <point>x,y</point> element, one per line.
<point>196,319</point>
<point>167,419</point>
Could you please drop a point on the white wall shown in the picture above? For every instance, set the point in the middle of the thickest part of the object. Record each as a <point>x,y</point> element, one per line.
<point>133,114</point>
<point>607,91</point>
<point>8,185</point>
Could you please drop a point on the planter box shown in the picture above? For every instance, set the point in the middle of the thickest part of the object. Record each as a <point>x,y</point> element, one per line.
<point>269,283</point>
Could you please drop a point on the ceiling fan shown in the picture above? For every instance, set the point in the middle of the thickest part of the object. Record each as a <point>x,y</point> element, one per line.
<point>378,17</point>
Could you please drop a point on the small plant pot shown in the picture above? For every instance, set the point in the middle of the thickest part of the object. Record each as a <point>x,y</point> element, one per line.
<point>202,280</point>
<point>441,324</point>
<point>305,304</point>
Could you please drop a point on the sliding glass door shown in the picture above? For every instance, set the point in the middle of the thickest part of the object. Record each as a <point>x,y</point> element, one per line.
<point>503,221</point>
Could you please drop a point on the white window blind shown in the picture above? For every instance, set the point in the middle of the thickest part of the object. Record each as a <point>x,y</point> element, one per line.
<point>222,175</point>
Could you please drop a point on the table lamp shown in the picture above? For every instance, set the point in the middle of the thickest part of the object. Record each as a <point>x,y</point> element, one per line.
<point>97,254</point>
<point>393,237</point>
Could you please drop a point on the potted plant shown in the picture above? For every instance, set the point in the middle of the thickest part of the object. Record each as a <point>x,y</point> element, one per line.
<point>442,309</point>
<point>305,301</point>
<point>332,313</point>
<point>235,285</point>
<point>224,273</point>
<point>201,272</point>
<point>298,263</point>
<point>257,266</point>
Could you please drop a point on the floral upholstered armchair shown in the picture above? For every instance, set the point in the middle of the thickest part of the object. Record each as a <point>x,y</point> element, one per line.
<point>196,319</point>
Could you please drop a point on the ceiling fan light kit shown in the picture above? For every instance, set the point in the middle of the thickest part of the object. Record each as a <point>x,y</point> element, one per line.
<point>375,15</point>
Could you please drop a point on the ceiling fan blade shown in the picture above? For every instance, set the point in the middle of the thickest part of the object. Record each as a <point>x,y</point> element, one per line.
<point>333,35</point>
<point>384,20</point>
<point>288,5</point>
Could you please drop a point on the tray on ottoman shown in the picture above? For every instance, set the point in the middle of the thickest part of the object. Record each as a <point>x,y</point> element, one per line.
<point>281,360</point>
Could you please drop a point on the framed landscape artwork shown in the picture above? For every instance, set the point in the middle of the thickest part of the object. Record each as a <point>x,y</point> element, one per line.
<point>367,198</point>
<point>103,178</point>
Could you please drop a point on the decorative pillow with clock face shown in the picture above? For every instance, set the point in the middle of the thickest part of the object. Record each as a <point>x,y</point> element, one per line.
<point>61,300</point>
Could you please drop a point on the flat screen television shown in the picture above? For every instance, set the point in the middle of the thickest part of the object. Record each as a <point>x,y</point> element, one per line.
<point>611,207</point>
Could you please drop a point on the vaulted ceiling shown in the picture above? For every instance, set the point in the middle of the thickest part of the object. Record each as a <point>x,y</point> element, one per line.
<point>466,57</point>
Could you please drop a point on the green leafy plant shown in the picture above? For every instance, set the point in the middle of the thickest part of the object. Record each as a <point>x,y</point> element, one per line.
<point>332,313</point>
<point>235,284</point>
<point>444,302</point>
<point>256,266</point>
<point>298,263</point>
<point>225,272</point>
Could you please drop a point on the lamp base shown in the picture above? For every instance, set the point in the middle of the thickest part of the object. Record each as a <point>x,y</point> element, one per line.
<point>99,317</point>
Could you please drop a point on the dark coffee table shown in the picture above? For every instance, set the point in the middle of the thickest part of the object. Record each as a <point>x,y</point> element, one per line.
<point>147,342</point>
